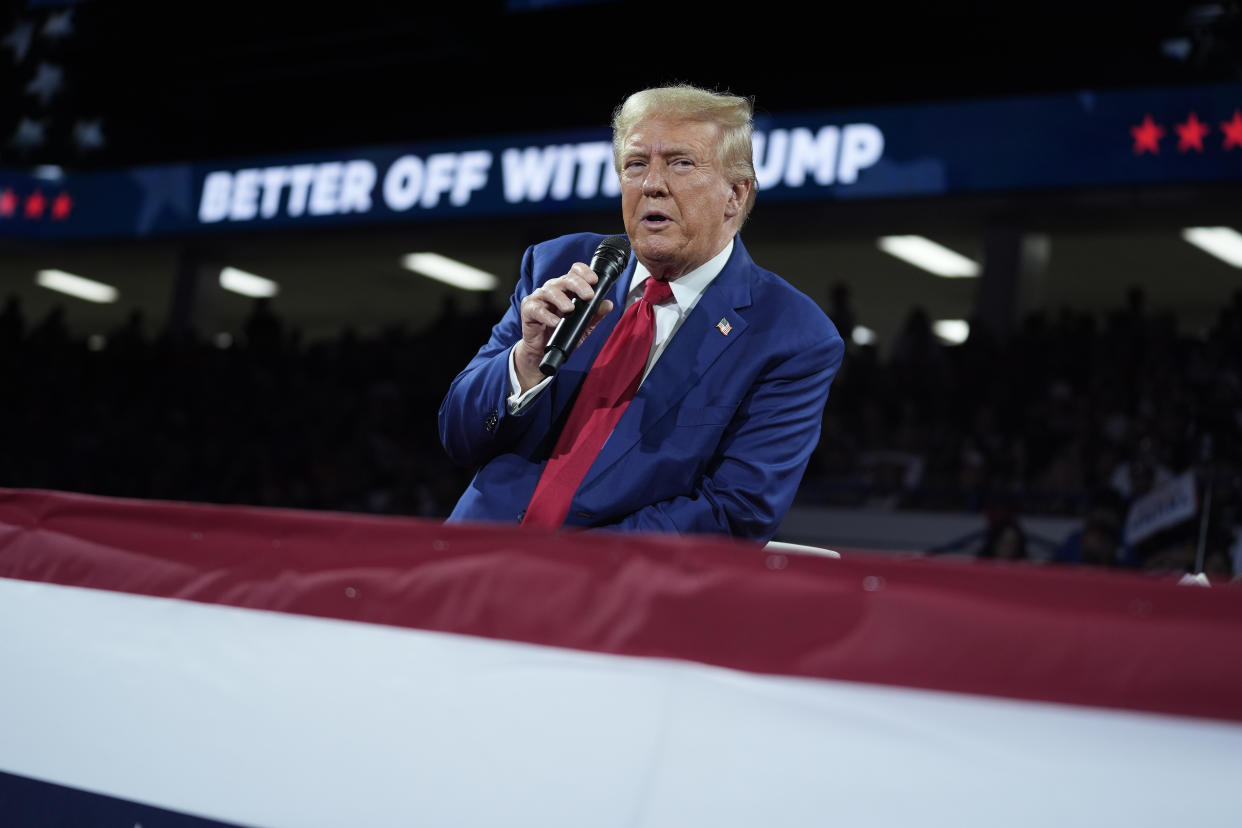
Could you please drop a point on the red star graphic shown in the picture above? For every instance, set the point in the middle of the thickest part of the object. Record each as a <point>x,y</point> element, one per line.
<point>1190,134</point>
<point>1147,136</point>
<point>8,204</point>
<point>1233,131</point>
<point>34,204</point>
<point>61,207</point>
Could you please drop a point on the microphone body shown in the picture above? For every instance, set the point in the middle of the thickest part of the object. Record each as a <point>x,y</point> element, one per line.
<point>609,260</point>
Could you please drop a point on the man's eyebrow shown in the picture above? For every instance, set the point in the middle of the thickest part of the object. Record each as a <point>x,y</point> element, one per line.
<point>680,150</point>
<point>665,152</point>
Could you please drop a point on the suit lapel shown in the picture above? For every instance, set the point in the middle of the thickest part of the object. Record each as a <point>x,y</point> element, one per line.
<point>696,346</point>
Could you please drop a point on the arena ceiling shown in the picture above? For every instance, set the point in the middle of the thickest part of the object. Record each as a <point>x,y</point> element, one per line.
<point>211,80</point>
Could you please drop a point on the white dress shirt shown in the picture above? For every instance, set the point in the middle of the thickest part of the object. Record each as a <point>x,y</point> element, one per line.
<point>687,290</point>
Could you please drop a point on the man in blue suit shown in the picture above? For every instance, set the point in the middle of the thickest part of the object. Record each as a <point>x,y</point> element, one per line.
<point>728,411</point>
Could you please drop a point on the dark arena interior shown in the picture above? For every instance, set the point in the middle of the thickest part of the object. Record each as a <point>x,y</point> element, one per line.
<point>248,189</point>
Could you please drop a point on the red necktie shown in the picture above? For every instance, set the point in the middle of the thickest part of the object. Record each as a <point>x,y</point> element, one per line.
<point>607,390</point>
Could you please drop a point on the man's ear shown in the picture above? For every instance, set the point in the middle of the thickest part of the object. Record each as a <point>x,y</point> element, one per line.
<point>739,192</point>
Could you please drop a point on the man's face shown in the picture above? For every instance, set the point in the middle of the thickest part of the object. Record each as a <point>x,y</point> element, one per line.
<point>678,206</point>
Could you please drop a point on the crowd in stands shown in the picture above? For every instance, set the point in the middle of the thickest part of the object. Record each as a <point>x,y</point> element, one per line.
<point>1073,415</point>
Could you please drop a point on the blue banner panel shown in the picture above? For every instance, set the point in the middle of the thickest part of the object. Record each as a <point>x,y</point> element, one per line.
<point>34,804</point>
<point>1086,140</point>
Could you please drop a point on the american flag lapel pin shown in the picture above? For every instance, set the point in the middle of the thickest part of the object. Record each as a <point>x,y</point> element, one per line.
<point>723,326</point>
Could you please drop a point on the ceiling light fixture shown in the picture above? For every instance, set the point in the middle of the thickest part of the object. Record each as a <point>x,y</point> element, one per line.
<point>247,284</point>
<point>1224,243</point>
<point>927,254</point>
<point>449,271</point>
<point>76,286</point>
<point>951,331</point>
<point>862,335</point>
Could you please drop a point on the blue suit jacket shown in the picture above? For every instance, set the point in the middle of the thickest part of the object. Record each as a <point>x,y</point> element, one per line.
<point>717,437</point>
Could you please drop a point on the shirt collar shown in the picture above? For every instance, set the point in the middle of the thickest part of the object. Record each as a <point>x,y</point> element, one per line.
<point>688,288</point>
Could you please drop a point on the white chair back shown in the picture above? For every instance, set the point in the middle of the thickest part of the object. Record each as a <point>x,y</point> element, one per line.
<point>801,549</point>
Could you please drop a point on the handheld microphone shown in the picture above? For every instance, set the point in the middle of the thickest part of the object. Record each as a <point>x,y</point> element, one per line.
<point>608,262</point>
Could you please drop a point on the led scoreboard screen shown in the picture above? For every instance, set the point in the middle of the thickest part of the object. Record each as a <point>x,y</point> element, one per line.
<point>1073,141</point>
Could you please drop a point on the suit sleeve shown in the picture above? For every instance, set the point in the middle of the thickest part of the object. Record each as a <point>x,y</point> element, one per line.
<point>751,481</point>
<point>474,421</point>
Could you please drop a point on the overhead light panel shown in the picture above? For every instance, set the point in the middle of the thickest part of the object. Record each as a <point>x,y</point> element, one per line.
<point>1224,243</point>
<point>927,254</point>
<point>76,286</point>
<point>951,331</point>
<point>247,284</point>
<point>450,271</point>
<point>862,335</point>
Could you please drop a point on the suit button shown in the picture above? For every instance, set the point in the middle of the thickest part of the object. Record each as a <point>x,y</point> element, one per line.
<point>490,421</point>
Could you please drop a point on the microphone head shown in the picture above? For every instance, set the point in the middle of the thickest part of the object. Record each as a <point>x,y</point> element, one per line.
<point>619,242</point>
<point>615,249</point>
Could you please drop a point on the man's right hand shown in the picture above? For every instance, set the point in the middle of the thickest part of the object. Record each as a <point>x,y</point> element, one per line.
<point>543,310</point>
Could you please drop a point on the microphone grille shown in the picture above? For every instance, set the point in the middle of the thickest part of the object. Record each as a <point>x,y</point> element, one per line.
<point>618,243</point>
